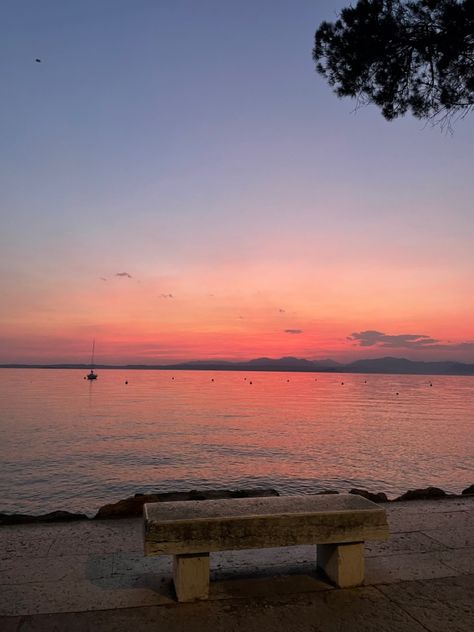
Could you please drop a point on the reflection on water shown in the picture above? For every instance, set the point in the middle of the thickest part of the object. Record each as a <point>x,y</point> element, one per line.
<point>67,443</point>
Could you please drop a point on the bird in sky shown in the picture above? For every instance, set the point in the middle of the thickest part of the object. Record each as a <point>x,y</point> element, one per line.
<point>38,61</point>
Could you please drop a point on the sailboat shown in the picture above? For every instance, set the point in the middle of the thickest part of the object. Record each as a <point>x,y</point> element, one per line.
<point>92,375</point>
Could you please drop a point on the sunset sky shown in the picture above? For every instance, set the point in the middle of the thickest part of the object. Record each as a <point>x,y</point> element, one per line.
<point>178,183</point>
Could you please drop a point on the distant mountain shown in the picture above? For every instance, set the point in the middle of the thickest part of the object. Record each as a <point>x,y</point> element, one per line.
<point>281,364</point>
<point>402,365</point>
<point>258,364</point>
<point>198,364</point>
<point>375,365</point>
<point>327,362</point>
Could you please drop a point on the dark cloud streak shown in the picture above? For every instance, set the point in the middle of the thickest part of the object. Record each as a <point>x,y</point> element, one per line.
<point>373,338</point>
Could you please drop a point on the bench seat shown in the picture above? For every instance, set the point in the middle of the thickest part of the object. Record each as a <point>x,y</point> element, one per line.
<point>190,530</point>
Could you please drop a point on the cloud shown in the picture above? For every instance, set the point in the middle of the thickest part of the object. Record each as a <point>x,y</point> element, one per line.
<point>468,345</point>
<point>103,279</point>
<point>293,331</point>
<point>372,338</point>
<point>166,296</point>
<point>124,275</point>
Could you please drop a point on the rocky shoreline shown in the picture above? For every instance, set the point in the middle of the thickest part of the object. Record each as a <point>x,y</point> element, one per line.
<point>132,507</point>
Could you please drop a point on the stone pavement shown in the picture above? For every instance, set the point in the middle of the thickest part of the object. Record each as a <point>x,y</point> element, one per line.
<point>93,576</point>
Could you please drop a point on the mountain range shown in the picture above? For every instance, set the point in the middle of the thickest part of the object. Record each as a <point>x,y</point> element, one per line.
<point>375,365</point>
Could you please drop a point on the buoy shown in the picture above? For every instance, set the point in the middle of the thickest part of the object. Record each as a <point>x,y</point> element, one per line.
<point>126,381</point>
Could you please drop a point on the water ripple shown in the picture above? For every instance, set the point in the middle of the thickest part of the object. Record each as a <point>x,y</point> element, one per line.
<point>67,444</point>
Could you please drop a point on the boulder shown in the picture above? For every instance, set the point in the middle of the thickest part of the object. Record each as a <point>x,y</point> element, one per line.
<point>133,506</point>
<point>378,497</point>
<point>468,490</point>
<point>428,493</point>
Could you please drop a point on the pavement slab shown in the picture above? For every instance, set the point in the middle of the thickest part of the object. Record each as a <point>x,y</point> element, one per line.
<point>399,543</point>
<point>10,624</point>
<point>95,537</point>
<point>430,507</point>
<point>454,537</point>
<point>92,575</point>
<point>462,560</point>
<point>357,610</point>
<point>439,605</point>
<point>400,521</point>
<point>85,595</point>
<point>26,570</point>
<point>22,541</point>
<point>388,569</point>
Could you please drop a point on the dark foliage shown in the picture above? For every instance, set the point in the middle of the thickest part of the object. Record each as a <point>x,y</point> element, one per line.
<point>403,56</point>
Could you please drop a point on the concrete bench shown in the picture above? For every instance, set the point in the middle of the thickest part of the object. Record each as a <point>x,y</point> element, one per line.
<point>190,530</point>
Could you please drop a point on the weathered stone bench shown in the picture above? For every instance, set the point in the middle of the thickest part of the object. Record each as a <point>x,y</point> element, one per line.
<point>190,530</point>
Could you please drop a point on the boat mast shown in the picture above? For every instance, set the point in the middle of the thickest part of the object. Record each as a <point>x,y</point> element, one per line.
<point>92,356</point>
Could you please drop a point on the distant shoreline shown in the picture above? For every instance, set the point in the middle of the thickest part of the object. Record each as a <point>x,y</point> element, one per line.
<point>381,366</point>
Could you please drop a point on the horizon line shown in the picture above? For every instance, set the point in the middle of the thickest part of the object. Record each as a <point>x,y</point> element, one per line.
<point>318,363</point>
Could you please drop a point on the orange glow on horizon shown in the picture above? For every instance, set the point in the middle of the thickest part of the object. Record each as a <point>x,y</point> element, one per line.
<point>235,314</point>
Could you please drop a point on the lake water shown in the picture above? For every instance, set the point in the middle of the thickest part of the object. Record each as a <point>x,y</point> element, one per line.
<point>66,443</point>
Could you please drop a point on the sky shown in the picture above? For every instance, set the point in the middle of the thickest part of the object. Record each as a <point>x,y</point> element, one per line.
<point>178,183</point>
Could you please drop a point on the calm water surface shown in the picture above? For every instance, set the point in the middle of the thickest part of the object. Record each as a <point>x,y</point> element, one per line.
<point>66,443</point>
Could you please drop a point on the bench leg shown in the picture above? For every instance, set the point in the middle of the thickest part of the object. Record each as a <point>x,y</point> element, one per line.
<point>342,563</point>
<point>191,576</point>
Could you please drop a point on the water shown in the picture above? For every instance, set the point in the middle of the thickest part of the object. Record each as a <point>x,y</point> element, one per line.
<point>66,443</point>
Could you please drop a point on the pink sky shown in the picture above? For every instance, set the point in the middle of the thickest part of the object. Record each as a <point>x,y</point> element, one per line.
<point>239,314</point>
<point>253,212</point>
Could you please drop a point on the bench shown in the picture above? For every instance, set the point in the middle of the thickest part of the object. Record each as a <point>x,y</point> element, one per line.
<point>190,530</point>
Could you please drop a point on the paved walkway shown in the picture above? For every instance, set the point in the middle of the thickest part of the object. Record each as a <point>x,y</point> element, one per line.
<point>93,576</point>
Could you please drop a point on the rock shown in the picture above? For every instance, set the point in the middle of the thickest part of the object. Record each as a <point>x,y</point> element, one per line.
<point>327,491</point>
<point>63,516</point>
<point>126,508</point>
<point>378,497</point>
<point>468,490</point>
<point>132,507</point>
<point>53,516</point>
<point>428,493</point>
